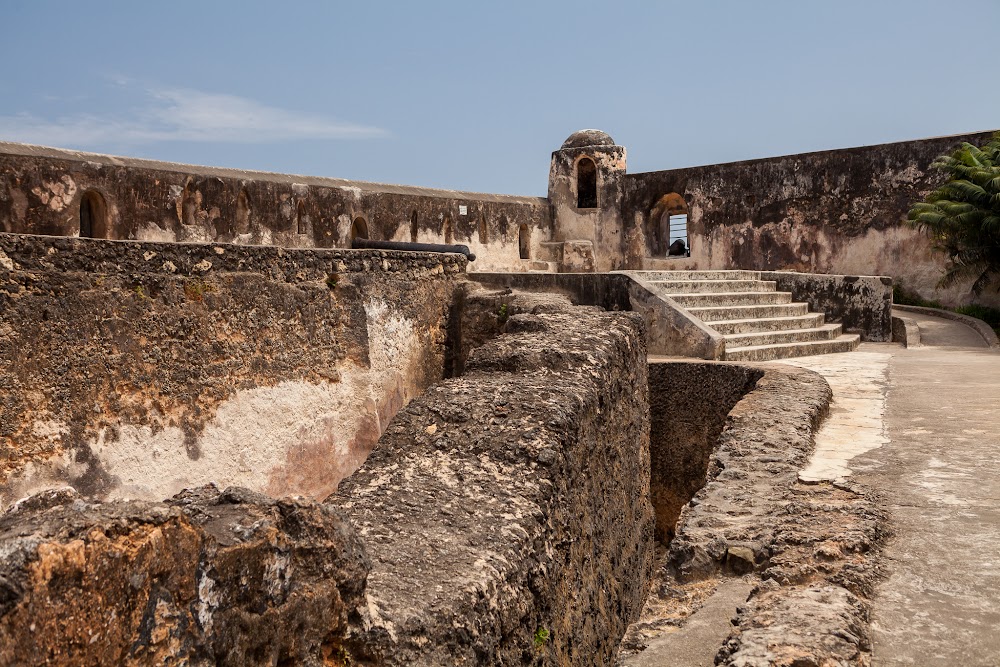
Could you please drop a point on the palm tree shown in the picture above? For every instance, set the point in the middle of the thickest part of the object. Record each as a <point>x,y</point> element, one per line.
<point>962,217</point>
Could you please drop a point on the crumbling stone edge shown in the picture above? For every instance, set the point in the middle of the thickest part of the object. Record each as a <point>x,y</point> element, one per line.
<point>812,549</point>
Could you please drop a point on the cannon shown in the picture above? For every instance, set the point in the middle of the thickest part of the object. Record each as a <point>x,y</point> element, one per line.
<point>360,243</point>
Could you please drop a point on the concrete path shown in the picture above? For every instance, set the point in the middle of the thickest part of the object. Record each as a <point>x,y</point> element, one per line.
<point>939,472</point>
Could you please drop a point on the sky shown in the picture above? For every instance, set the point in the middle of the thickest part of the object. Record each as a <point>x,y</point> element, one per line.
<point>475,96</point>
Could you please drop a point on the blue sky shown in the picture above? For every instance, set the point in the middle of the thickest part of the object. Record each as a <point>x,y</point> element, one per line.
<point>475,96</point>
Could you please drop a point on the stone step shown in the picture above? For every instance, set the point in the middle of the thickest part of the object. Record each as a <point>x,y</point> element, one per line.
<point>843,343</point>
<point>808,321</point>
<point>824,332</point>
<point>732,298</point>
<point>698,275</point>
<point>716,313</point>
<point>702,286</point>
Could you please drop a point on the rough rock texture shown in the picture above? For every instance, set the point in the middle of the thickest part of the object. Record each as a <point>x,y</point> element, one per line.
<point>506,511</point>
<point>41,190</point>
<point>136,369</point>
<point>862,304</point>
<point>208,578</point>
<point>688,405</point>
<point>812,546</point>
<point>670,330</point>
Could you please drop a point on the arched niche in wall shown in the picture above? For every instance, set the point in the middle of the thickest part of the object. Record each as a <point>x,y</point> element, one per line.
<point>484,231</point>
<point>359,228</point>
<point>413,226</point>
<point>242,212</point>
<point>524,242</point>
<point>586,183</point>
<point>301,218</point>
<point>668,222</point>
<point>448,230</point>
<point>93,215</point>
<point>189,204</point>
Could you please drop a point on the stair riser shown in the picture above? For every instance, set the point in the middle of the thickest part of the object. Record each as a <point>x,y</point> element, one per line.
<point>810,321</point>
<point>735,299</point>
<point>703,286</point>
<point>698,275</point>
<point>775,337</point>
<point>794,350</point>
<point>749,312</point>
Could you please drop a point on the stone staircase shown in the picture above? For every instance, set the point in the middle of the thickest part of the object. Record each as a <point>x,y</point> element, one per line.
<point>758,322</point>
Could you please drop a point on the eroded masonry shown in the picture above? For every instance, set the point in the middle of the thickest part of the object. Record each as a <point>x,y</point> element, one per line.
<point>230,438</point>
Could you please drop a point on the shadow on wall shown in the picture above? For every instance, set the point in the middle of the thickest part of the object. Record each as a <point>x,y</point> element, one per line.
<point>688,403</point>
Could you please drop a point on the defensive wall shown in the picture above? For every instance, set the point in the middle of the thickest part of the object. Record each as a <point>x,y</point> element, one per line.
<point>829,212</point>
<point>836,212</point>
<point>46,190</point>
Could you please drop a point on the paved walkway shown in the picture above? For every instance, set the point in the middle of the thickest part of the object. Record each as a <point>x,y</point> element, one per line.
<point>939,472</point>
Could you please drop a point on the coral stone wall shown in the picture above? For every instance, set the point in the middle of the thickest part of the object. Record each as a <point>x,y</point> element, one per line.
<point>137,369</point>
<point>42,191</point>
<point>839,211</point>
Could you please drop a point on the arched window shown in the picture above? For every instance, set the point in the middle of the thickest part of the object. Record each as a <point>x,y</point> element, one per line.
<point>93,215</point>
<point>586,183</point>
<point>447,230</point>
<point>242,213</point>
<point>301,218</point>
<point>189,205</point>
<point>669,220</point>
<point>484,232</point>
<point>524,242</point>
<point>413,226</point>
<point>359,229</point>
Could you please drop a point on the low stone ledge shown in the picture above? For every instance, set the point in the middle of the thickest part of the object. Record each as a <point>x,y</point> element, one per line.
<point>507,511</point>
<point>207,578</point>
<point>31,253</point>
<point>980,327</point>
<point>862,304</point>
<point>812,546</point>
<point>906,331</point>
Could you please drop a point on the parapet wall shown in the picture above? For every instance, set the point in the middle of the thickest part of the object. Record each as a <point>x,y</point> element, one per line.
<point>42,191</point>
<point>137,369</point>
<point>503,519</point>
<point>839,211</point>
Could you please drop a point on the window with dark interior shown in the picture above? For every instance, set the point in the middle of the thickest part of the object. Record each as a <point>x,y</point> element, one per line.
<point>586,183</point>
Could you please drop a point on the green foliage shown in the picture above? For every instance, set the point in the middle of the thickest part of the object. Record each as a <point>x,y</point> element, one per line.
<point>962,217</point>
<point>503,314</point>
<point>331,280</point>
<point>140,292</point>
<point>904,297</point>
<point>541,637</point>
<point>989,315</point>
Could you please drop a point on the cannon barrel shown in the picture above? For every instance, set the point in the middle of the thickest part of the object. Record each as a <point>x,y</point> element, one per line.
<point>360,243</point>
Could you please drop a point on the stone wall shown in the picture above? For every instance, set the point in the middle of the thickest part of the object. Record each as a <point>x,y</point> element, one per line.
<point>503,519</point>
<point>862,304</point>
<point>506,512</point>
<point>136,369</point>
<point>688,405</point>
<point>838,211</point>
<point>42,190</point>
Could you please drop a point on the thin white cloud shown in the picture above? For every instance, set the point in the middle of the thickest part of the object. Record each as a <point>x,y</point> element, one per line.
<point>178,114</point>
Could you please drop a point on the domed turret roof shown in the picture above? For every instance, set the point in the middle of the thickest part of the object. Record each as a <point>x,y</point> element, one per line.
<point>584,138</point>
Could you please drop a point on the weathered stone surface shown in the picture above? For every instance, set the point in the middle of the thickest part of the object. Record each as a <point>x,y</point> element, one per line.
<point>130,369</point>
<point>837,211</point>
<point>506,511</point>
<point>813,546</point>
<point>41,190</point>
<point>862,304</point>
<point>207,578</point>
<point>688,405</point>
